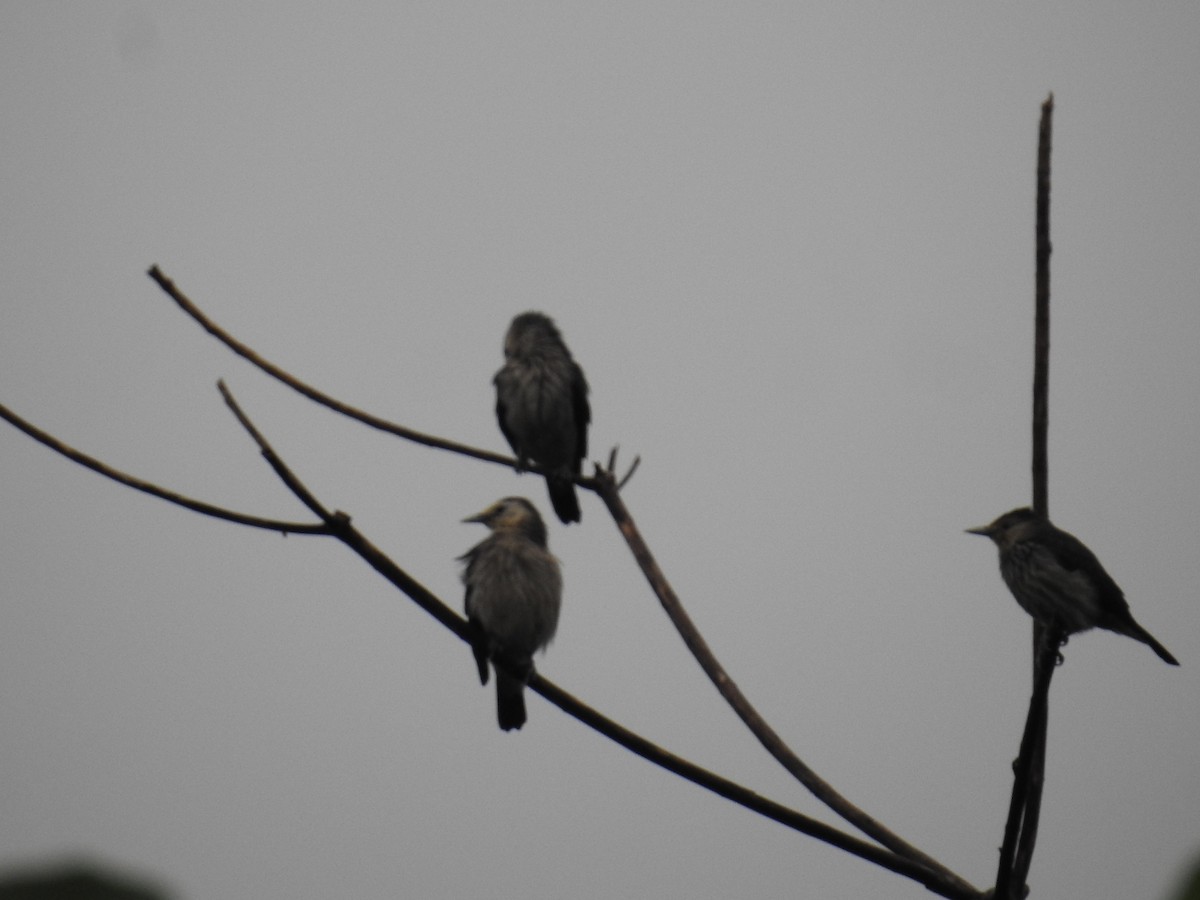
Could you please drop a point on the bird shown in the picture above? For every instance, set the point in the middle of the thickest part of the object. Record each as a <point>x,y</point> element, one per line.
<point>542,407</point>
<point>513,597</point>
<point>1059,581</point>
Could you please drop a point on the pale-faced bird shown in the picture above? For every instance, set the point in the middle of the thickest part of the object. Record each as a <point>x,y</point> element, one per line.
<point>513,597</point>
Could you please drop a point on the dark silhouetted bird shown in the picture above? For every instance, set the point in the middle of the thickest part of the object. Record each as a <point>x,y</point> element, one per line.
<point>542,406</point>
<point>1059,581</point>
<point>514,592</point>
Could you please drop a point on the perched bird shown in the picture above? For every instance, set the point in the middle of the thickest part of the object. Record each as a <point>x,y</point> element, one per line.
<point>514,592</point>
<point>1059,581</point>
<point>542,406</point>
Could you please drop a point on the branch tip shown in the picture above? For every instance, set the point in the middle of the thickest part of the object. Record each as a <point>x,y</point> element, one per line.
<point>637,461</point>
<point>146,487</point>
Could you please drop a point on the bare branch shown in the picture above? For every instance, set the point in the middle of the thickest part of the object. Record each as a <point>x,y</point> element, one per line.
<point>637,461</point>
<point>1020,831</point>
<point>154,490</point>
<point>1041,339</point>
<point>934,881</point>
<point>317,396</point>
<point>933,877</point>
<point>592,482</point>
<point>604,483</point>
<point>774,744</point>
<point>285,475</point>
<point>1020,835</point>
<point>1044,666</point>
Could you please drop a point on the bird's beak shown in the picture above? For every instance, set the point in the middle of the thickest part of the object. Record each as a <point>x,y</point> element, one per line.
<point>482,516</point>
<point>985,530</point>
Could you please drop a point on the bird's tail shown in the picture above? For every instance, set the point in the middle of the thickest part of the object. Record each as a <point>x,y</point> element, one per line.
<point>563,499</point>
<point>510,701</point>
<point>1138,633</point>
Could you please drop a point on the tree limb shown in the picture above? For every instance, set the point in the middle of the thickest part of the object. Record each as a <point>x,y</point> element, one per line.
<point>154,490</point>
<point>315,395</point>
<point>1020,831</point>
<point>767,736</point>
<point>1020,834</point>
<point>1041,328</point>
<point>934,877</point>
<point>606,485</point>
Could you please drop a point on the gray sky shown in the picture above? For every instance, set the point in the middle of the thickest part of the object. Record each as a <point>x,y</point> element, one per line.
<point>791,246</point>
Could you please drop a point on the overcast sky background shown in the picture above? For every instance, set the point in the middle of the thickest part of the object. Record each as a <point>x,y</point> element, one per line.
<point>792,247</point>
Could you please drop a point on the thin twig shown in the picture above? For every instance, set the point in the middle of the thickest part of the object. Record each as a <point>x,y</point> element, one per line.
<point>341,528</point>
<point>207,509</point>
<point>766,735</point>
<point>285,475</point>
<point>338,525</point>
<point>633,467</point>
<point>612,467</point>
<point>1041,339</point>
<point>1023,860</point>
<point>951,884</point>
<point>315,395</point>
<point>1041,485</point>
<point>1020,831</point>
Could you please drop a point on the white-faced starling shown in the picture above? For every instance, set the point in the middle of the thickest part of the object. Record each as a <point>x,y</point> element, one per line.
<point>514,592</point>
<point>1059,581</point>
<point>542,406</point>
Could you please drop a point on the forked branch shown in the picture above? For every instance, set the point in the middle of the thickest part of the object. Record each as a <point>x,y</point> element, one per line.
<point>311,392</point>
<point>338,524</point>
<point>607,486</point>
<point>745,710</point>
<point>207,509</point>
<point>932,876</point>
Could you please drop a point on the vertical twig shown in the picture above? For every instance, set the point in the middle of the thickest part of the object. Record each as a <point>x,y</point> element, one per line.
<point>1048,659</point>
<point>1020,831</point>
<point>1020,834</point>
<point>1041,319</point>
<point>1045,646</point>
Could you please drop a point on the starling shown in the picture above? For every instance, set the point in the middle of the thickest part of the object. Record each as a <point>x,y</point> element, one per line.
<point>1059,581</point>
<point>514,592</point>
<point>542,407</point>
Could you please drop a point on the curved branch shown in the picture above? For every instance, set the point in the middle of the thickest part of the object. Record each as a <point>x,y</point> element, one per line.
<point>934,881</point>
<point>154,490</point>
<point>315,395</point>
<point>774,744</point>
<point>933,877</point>
<point>293,484</point>
<point>607,486</point>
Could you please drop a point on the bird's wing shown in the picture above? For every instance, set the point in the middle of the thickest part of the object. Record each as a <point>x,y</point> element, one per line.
<point>582,413</point>
<point>1074,556</point>
<point>502,411</point>
<point>479,641</point>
